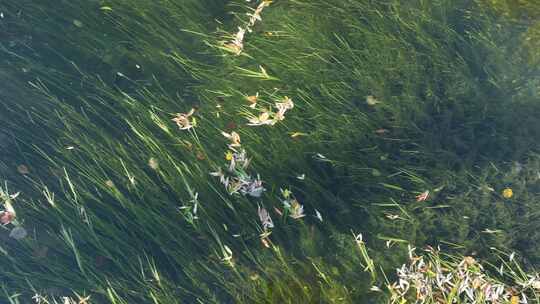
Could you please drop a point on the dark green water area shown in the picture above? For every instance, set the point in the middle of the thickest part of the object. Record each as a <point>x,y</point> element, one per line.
<point>286,151</point>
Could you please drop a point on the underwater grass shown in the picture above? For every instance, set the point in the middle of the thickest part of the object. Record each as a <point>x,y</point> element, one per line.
<point>119,202</point>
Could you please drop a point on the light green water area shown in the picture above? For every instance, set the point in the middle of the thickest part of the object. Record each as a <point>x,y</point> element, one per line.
<point>285,151</point>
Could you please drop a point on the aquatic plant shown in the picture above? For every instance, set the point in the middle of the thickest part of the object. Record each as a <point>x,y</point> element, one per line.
<point>148,128</point>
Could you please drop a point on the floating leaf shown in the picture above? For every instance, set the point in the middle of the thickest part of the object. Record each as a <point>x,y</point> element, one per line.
<point>507,193</point>
<point>78,23</point>
<point>372,101</point>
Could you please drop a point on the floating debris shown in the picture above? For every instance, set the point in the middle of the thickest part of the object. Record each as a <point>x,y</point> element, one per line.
<point>182,120</point>
<point>227,255</point>
<point>253,100</point>
<point>265,218</point>
<point>235,179</point>
<point>78,23</point>
<point>359,239</point>
<point>422,196</point>
<point>392,216</point>
<point>252,187</point>
<point>372,101</point>
<point>282,107</point>
<point>466,282</point>
<point>492,231</point>
<point>298,134</point>
<point>265,241</point>
<point>229,155</point>
<point>507,193</point>
<point>375,289</point>
<point>262,119</point>
<point>296,210</point>
<point>293,207</point>
<point>268,117</point>
<point>236,45</point>
<point>189,211</point>
<point>234,138</point>
<point>318,215</point>
<point>153,163</point>
<point>237,158</point>
<point>321,157</point>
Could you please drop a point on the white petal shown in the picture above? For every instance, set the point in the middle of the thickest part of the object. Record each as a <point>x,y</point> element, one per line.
<point>318,215</point>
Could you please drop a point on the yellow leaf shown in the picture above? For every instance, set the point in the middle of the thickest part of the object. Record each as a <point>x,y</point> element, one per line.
<point>514,300</point>
<point>296,134</point>
<point>507,193</point>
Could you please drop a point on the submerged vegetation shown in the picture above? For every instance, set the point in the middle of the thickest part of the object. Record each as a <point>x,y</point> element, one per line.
<point>205,151</point>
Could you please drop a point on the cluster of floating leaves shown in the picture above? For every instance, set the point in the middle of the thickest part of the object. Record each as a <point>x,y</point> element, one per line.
<point>293,208</point>
<point>236,45</point>
<point>8,215</point>
<point>269,116</point>
<point>429,281</point>
<point>41,299</point>
<point>189,211</point>
<point>235,177</point>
